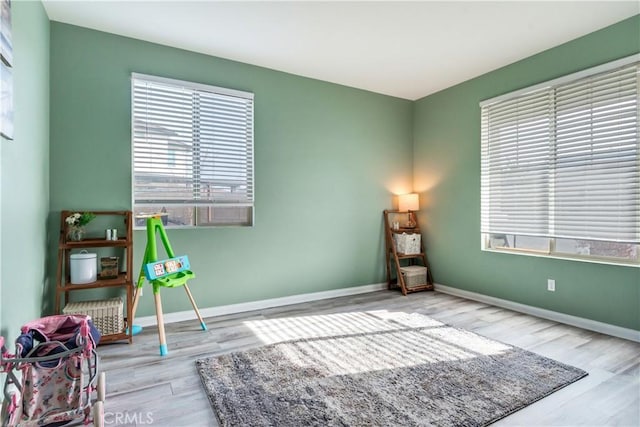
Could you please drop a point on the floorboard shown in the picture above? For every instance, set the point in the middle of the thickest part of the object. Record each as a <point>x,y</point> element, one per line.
<point>146,389</point>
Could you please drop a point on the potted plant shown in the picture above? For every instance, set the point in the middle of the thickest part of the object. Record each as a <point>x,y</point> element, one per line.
<point>76,223</point>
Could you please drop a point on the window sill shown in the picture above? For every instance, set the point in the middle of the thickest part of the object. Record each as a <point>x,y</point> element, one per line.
<point>594,260</point>
<point>193,227</point>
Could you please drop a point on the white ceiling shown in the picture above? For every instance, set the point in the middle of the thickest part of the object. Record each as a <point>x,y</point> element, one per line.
<point>404,49</point>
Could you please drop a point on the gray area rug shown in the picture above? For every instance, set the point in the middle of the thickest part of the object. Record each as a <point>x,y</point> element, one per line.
<point>375,369</point>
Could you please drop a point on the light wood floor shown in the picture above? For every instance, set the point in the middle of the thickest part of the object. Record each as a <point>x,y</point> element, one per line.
<point>146,389</point>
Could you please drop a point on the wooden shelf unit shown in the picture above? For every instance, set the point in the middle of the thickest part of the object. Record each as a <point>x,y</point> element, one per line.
<point>393,257</point>
<point>124,279</point>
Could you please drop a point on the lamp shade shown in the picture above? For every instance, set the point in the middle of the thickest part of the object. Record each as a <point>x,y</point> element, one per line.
<point>408,202</point>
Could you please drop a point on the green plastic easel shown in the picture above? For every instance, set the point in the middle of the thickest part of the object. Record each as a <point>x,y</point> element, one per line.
<point>171,280</point>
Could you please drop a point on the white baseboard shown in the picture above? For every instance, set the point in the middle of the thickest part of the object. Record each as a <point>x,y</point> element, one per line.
<point>592,325</point>
<point>259,305</point>
<point>580,322</point>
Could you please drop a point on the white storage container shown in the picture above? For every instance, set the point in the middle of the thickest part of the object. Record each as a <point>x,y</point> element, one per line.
<point>83,268</point>
<point>407,244</point>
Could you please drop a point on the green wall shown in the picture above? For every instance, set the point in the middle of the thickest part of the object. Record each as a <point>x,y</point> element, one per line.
<point>447,175</point>
<point>327,159</point>
<point>24,174</point>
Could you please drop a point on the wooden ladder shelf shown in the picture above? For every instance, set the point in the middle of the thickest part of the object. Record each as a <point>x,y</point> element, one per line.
<point>396,260</point>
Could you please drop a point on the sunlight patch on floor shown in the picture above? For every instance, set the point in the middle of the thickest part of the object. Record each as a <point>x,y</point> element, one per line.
<point>348,343</point>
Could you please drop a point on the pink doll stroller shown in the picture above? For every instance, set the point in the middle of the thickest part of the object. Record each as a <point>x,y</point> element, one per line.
<point>53,389</point>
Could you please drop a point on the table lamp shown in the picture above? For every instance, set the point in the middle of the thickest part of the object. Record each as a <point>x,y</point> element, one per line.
<point>409,203</point>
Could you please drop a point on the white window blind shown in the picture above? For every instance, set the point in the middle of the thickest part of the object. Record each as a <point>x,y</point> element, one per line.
<point>515,166</point>
<point>563,160</point>
<point>192,151</point>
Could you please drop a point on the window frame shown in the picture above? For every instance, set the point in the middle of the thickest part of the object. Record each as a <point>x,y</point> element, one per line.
<point>551,253</point>
<point>487,237</point>
<point>197,216</point>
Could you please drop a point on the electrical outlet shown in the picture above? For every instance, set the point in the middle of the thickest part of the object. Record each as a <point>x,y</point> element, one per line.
<point>551,285</point>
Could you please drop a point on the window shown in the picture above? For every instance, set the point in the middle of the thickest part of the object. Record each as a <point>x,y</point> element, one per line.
<point>561,167</point>
<point>192,153</point>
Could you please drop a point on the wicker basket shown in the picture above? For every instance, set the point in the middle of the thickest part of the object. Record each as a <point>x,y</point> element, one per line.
<point>414,275</point>
<point>109,267</point>
<point>107,315</point>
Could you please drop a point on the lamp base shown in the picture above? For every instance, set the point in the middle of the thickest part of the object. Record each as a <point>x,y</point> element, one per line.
<point>410,221</point>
